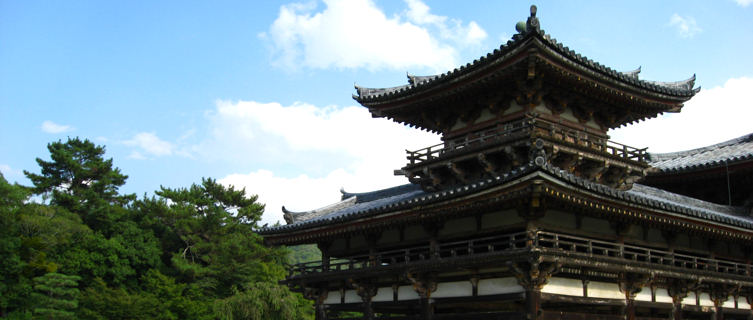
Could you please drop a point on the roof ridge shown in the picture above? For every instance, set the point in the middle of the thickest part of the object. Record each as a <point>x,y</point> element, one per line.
<point>293,216</point>
<point>659,157</point>
<point>530,30</point>
<point>368,196</point>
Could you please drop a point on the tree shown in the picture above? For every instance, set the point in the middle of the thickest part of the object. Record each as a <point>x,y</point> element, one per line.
<point>14,286</point>
<point>79,179</point>
<point>159,297</point>
<point>212,228</point>
<point>56,295</point>
<point>189,253</point>
<point>264,301</point>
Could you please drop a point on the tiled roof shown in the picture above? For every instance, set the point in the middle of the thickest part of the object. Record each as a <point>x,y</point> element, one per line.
<point>396,198</point>
<point>417,83</point>
<point>739,149</point>
<point>408,196</point>
<point>352,201</point>
<point>379,194</point>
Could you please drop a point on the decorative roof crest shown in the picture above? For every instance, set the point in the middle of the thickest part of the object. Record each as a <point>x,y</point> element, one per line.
<point>532,23</point>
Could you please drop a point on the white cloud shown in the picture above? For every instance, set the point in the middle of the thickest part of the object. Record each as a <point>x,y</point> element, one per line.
<point>451,29</point>
<point>150,144</point>
<point>744,3</point>
<point>51,127</point>
<point>686,26</point>
<point>297,193</point>
<point>355,151</point>
<point>9,173</point>
<point>358,34</point>
<point>136,155</point>
<point>712,116</point>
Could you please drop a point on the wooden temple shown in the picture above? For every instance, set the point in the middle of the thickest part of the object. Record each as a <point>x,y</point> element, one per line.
<point>527,210</point>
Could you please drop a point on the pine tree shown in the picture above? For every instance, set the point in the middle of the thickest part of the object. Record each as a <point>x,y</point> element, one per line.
<point>56,296</point>
<point>80,180</point>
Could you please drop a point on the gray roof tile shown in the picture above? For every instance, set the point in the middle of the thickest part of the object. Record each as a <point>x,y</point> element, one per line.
<point>407,196</point>
<point>739,149</point>
<point>415,83</point>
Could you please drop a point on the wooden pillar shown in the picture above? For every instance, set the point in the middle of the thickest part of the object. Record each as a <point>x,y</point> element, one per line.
<point>368,310</point>
<point>318,295</point>
<point>474,285</point>
<point>366,291</point>
<point>630,285</point>
<point>371,240</point>
<point>670,238</point>
<point>321,311</point>
<point>427,308</point>
<point>324,248</point>
<point>678,290</point>
<point>532,275</point>
<point>424,285</point>
<point>432,228</point>
<point>533,303</point>
<point>719,294</point>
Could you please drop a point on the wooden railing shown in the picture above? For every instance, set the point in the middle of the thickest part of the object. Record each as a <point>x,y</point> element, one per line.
<point>486,245</point>
<point>596,248</point>
<point>547,242</point>
<point>522,128</point>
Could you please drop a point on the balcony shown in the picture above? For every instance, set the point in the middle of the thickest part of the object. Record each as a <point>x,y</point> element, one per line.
<point>528,127</point>
<point>547,243</point>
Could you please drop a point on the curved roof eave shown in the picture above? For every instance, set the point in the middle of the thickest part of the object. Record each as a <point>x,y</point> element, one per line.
<point>679,90</point>
<point>656,199</point>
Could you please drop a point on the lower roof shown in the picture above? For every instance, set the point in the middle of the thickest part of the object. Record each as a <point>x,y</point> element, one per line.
<point>720,154</point>
<point>360,205</point>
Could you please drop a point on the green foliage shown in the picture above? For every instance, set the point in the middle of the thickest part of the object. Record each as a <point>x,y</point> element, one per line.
<point>160,297</point>
<point>264,300</point>
<point>79,179</point>
<point>218,248</point>
<point>56,296</point>
<point>14,286</point>
<point>92,253</point>
<point>304,253</point>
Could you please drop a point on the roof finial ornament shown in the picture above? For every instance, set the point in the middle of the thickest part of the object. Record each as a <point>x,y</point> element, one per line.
<point>532,23</point>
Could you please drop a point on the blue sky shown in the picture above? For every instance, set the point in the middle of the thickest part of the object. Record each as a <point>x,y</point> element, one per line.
<point>258,93</point>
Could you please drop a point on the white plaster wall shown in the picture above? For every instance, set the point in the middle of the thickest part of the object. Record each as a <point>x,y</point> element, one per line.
<point>742,303</point>
<point>498,286</point>
<point>459,124</point>
<point>514,107</point>
<point>568,115</point>
<point>604,290</point>
<point>485,115</point>
<point>564,286</point>
<point>663,296</point>
<point>383,294</point>
<point>351,296</point>
<point>643,295</point>
<point>333,297</point>
<point>705,300</point>
<point>406,293</point>
<point>541,108</point>
<point>730,303</point>
<point>690,299</point>
<point>453,289</point>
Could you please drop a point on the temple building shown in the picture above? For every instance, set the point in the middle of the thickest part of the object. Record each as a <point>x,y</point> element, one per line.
<point>527,210</point>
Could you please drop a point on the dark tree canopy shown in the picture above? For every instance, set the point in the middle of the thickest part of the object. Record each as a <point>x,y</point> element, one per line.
<point>91,252</point>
